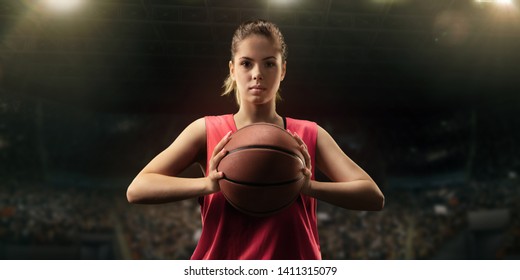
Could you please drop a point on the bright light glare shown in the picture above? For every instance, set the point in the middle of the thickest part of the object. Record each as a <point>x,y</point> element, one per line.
<point>282,2</point>
<point>382,2</point>
<point>502,2</point>
<point>62,5</point>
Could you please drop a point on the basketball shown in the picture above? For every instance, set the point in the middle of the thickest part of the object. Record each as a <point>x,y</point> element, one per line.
<point>262,169</point>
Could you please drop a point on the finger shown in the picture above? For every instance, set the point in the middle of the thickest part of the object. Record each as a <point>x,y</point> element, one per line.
<point>216,175</point>
<point>307,172</point>
<point>306,156</point>
<point>298,139</point>
<point>303,149</point>
<point>215,160</point>
<point>292,133</point>
<point>222,143</point>
<point>220,156</point>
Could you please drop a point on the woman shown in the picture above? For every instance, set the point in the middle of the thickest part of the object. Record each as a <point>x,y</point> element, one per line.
<point>257,67</point>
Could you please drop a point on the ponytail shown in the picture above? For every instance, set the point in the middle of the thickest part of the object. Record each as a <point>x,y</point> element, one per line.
<point>230,87</point>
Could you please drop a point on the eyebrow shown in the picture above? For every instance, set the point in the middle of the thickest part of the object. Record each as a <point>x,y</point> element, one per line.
<point>266,58</point>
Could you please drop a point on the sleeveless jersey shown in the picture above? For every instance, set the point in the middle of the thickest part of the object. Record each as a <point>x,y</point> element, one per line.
<point>229,234</point>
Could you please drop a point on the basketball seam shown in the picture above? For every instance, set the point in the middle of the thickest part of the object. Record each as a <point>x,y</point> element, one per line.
<point>265,147</point>
<point>251,184</point>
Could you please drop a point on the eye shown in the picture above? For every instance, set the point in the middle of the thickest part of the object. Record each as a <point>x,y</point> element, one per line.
<point>245,63</point>
<point>270,64</point>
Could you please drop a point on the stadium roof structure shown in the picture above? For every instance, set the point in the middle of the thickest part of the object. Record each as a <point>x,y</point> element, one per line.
<point>421,72</point>
<point>159,55</point>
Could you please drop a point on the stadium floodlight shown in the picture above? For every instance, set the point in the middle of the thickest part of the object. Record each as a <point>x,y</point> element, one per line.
<point>62,5</point>
<point>282,2</point>
<point>501,2</point>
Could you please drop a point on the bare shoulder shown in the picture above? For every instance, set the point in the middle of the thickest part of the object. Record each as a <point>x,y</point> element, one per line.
<point>324,139</point>
<point>327,150</point>
<point>193,137</point>
<point>196,129</point>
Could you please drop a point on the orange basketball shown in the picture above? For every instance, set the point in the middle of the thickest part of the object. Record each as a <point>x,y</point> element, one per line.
<point>262,169</point>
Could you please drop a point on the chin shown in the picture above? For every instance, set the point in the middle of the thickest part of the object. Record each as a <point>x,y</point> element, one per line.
<point>259,100</point>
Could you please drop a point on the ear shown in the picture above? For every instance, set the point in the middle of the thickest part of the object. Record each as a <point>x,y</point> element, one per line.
<point>231,70</point>
<point>284,70</point>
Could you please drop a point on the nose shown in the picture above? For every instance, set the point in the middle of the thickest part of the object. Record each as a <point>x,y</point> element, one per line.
<point>257,74</point>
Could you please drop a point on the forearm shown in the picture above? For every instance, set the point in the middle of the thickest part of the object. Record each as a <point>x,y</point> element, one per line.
<point>151,188</point>
<point>353,195</point>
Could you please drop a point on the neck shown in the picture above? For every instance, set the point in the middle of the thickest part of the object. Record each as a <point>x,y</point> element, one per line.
<point>257,113</point>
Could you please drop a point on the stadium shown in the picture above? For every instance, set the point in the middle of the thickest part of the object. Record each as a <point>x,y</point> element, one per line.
<point>422,94</point>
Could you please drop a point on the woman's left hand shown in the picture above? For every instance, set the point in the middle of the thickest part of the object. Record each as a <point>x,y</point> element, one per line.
<point>307,169</point>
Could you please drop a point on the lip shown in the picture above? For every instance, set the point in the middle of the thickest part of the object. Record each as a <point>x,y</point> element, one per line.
<point>257,87</point>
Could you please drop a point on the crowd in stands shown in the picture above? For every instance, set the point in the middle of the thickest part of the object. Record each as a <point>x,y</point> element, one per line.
<point>410,227</point>
<point>167,231</point>
<point>415,223</point>
<point>35,215</point>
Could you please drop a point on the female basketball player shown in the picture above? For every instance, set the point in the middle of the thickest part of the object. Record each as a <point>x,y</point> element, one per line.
<point>257,67</point>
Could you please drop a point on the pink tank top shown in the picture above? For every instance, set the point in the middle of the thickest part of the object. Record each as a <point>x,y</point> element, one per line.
<point>229,234</point>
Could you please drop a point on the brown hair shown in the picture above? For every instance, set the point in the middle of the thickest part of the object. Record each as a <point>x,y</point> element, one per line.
<point>246,29</point>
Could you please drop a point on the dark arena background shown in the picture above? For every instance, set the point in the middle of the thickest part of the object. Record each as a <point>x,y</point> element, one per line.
<point>424,95</point>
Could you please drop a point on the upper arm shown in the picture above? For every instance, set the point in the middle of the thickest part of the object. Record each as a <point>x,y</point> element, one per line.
<point>333,162</point>
<point>183,152</point>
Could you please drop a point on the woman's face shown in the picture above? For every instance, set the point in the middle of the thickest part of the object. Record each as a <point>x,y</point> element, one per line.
<point>257,70</point>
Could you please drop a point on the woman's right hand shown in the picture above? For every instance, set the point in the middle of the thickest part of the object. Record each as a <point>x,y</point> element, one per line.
<point>218,154</point>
